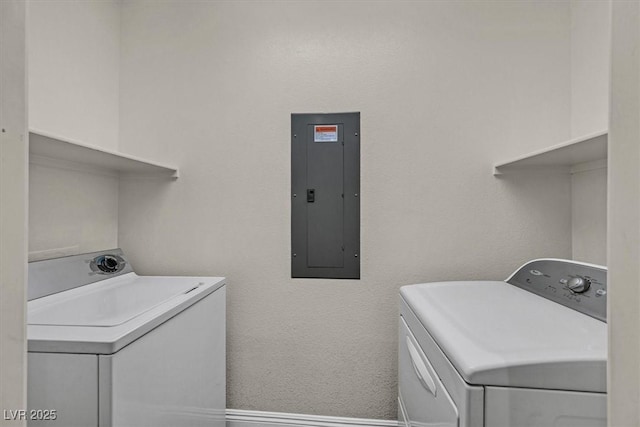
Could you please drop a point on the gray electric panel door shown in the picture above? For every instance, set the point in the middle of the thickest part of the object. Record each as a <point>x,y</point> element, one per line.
<point>325,199</point>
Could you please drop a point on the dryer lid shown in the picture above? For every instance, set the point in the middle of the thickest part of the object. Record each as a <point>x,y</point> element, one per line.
<point>498,334</point>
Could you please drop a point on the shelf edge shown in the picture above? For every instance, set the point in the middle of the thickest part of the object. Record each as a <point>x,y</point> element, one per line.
<point>497,167</point>
<point>174,171</point>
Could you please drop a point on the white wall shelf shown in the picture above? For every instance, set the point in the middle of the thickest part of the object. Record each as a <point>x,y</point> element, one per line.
<point>54,147</point>
<point>570,156</point>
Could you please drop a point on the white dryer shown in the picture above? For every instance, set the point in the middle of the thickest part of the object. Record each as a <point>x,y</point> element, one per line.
<point>529,351</point>
<point>110,348</point>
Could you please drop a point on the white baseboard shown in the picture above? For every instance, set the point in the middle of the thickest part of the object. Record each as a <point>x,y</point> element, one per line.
<point>242,418</point>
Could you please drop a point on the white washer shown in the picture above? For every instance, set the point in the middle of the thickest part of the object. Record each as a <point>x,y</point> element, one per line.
<point>110,348</point>
<point>529,351</point>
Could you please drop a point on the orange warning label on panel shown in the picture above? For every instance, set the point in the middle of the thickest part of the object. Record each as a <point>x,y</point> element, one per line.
<point>325,133</point>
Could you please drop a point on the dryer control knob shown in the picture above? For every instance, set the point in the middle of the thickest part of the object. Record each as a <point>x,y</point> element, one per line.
<point>578,285</point>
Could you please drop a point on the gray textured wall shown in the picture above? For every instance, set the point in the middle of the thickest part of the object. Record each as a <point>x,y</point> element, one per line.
<point>445,90</point>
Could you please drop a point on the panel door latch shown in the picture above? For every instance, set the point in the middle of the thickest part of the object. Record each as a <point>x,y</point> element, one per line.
<point>311,195</point>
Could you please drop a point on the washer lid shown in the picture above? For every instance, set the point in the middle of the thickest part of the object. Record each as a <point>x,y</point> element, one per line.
<point>497,334</point>
<point>114,303</point>
<point>105,316</point>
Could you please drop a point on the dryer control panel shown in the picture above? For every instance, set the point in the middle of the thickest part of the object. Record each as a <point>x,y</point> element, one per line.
<point>577,285</point>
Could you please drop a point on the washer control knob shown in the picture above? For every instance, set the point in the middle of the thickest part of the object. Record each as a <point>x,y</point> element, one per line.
<point>107,264</point>
<point>578,285</point>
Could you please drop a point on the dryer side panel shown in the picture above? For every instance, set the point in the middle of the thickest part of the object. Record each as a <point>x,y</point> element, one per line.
<point>543,408</point>
<point>423,398</point>
<point>468,399</point>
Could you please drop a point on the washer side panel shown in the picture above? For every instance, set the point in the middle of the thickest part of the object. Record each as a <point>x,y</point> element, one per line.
<point>174,375</point>
<point>66,383</point>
